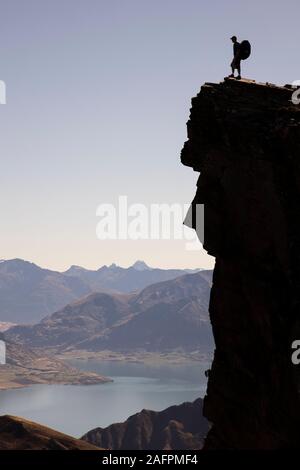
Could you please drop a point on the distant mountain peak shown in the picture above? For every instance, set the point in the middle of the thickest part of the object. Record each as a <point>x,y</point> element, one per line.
<point>15,261</point>
<point>113,266</point>
<point>18,263</point>
<point>75,267</point>
<point>141,266</point>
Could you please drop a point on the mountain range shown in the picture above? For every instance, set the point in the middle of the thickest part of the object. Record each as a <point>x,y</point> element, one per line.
<point>166,316</point>
<point>115,278</point>
<point>28,292</point>
<point>181,427</point>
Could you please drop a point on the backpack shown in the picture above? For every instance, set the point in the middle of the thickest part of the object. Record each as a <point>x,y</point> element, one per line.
<point>245,50</point>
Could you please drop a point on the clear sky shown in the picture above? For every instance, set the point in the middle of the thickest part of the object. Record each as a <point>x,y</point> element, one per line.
<point>98,95</point>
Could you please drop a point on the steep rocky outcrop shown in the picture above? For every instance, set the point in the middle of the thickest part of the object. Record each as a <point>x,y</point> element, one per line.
<point>20,434</point>
<point>176,428</point>
<point>244,139</point>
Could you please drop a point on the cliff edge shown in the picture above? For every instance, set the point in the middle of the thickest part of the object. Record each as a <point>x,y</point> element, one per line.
<point>244,139</point>
<point>172,429</point>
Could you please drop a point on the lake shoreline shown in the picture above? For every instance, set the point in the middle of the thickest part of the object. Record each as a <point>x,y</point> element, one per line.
<point>75,410</point>
<point>137,357</point>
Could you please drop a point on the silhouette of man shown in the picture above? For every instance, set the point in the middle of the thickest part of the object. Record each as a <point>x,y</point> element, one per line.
<point>236,63</point>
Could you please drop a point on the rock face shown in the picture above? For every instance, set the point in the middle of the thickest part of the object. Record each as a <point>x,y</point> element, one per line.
<point>244,139</point>
<point>176,428</point>
<point>21,434</point>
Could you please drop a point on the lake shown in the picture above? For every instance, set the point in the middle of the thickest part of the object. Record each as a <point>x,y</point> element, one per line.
<point>76,409</point>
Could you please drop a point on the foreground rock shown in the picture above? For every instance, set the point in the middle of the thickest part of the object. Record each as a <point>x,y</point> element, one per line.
<point>176,428</point>
<point>20,434</point>
<point>244,138</point>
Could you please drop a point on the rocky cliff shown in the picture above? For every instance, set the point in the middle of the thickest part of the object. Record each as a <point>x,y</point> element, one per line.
<point>176,428</point>
<point>244,139</point>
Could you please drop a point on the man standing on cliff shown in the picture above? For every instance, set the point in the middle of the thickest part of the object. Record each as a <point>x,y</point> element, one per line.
<point>236,63</point>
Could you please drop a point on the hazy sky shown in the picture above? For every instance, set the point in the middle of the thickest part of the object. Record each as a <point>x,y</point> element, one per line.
<point>98,95</point>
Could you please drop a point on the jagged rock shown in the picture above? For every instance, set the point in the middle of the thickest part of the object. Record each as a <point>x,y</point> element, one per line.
<point>244,139</point>
<point>176,428</point>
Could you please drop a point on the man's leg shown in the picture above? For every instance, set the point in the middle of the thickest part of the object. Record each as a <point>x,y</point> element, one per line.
<point>239,70</point>
<point>232,68</point>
